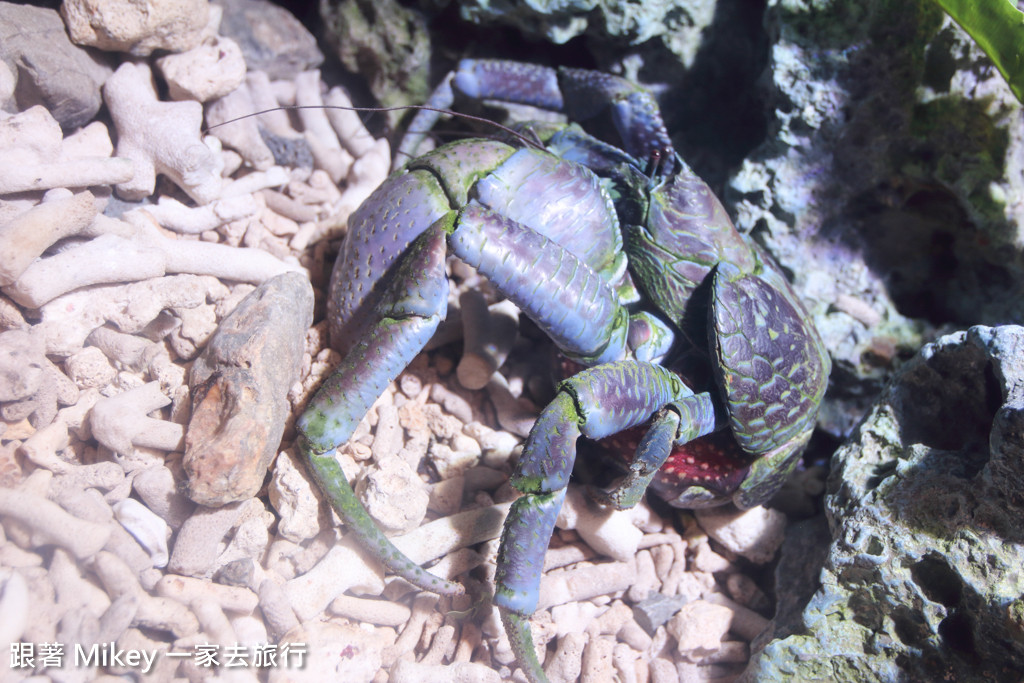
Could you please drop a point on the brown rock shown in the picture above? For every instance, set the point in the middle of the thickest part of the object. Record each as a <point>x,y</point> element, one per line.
<point>240,385</point>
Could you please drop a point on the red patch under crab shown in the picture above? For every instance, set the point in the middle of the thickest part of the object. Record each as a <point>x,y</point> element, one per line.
<point>714,462</point>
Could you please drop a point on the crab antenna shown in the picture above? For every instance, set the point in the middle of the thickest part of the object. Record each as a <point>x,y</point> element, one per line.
<point>469,117</point>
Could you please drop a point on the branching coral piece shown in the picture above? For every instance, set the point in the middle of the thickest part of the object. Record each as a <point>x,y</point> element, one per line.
<point>26,237</point>
<point>241,134</point>
<point>69,319</point>
<point>160,137</point>
<point>347,123</point>
<point>323,141</point>
<point>52,525</point>
<point>121,422</point>
<point>145,254</point>
<point>30,385</point>
<point>36,158</point>
<point>175,216</point>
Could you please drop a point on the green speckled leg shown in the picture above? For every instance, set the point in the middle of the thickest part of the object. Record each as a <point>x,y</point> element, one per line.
<point>409,312</point>
<point>519,636</point>
<point>678,423</point>
<point>597,402</point>
<point>442,98</point>
<point>343,499</point>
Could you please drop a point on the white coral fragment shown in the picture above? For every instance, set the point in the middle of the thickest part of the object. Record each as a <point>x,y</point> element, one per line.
<point>160,137</point>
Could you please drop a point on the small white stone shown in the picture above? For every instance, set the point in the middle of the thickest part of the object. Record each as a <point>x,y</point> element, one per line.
<point>406,671</point>
<point>699,628</point>
<point>609,532</point>
<point>756,534</point>
<point>291,494</point>
<point>147,527</point>
<point>342,568</point>
<point>204,73</point>
<point>334,652</point>
<point>573,617</point>
<point>394,495</point>
<point>450,461</point>
<point>497,447</point>
<point>89,368</point>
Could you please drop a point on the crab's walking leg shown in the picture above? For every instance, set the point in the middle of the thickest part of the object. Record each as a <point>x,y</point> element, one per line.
<point>440,100</point>
<point>678,423</point>
<point>409,312</point>
<point>481,79</point>
<point>580,93</point>
<point>596,403</point>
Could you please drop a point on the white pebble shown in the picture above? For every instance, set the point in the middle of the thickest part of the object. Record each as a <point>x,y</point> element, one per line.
<point>147,527</point>
<point>756,534</point>
<point>343,568</point>
<point>609,532</point>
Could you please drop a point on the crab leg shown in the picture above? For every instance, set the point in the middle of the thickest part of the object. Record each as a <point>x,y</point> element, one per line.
<point>677,424</point>
<point>558,290</point>
<point>580,93</point>
<point>409,312</point>
<point>482,79</point>
<point>595,403</point>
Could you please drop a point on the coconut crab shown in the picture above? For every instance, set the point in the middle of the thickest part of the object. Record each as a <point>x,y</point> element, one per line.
<point>622,286</point>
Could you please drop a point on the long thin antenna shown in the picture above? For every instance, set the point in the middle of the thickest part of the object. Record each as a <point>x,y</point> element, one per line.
<point>469,117</point>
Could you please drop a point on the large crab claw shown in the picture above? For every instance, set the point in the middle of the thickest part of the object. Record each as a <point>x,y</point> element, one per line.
<point>772,370</point>
<point>772,367</point>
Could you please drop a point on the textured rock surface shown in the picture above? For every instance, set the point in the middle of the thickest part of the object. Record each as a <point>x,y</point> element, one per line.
<point>923,581</point>
<point>386,43</point>
<point>272,39</point>
<point>676,23</point>
<point>891,184</point>
<point>241,384</point>
<point>49,69</point>
<point>136,26</point>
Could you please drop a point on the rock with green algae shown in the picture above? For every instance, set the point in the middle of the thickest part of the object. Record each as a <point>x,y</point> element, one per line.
<point>385,42</point>
<point>923,579</point>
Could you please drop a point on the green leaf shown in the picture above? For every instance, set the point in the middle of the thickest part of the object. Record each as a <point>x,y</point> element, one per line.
<point>998,28</point>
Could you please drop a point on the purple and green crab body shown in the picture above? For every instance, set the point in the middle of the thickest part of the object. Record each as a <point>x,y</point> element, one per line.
<point>618,284</point>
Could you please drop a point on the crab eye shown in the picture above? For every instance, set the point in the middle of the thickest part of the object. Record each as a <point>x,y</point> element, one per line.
<point>654,162</point>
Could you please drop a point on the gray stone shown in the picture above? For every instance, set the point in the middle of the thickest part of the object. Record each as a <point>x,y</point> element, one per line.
<point>50,69</point>
<point>291,152</point>
<point>240,389</point>
<point>271,38</point>
<point>657,609</point>
<point>922,580</point>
